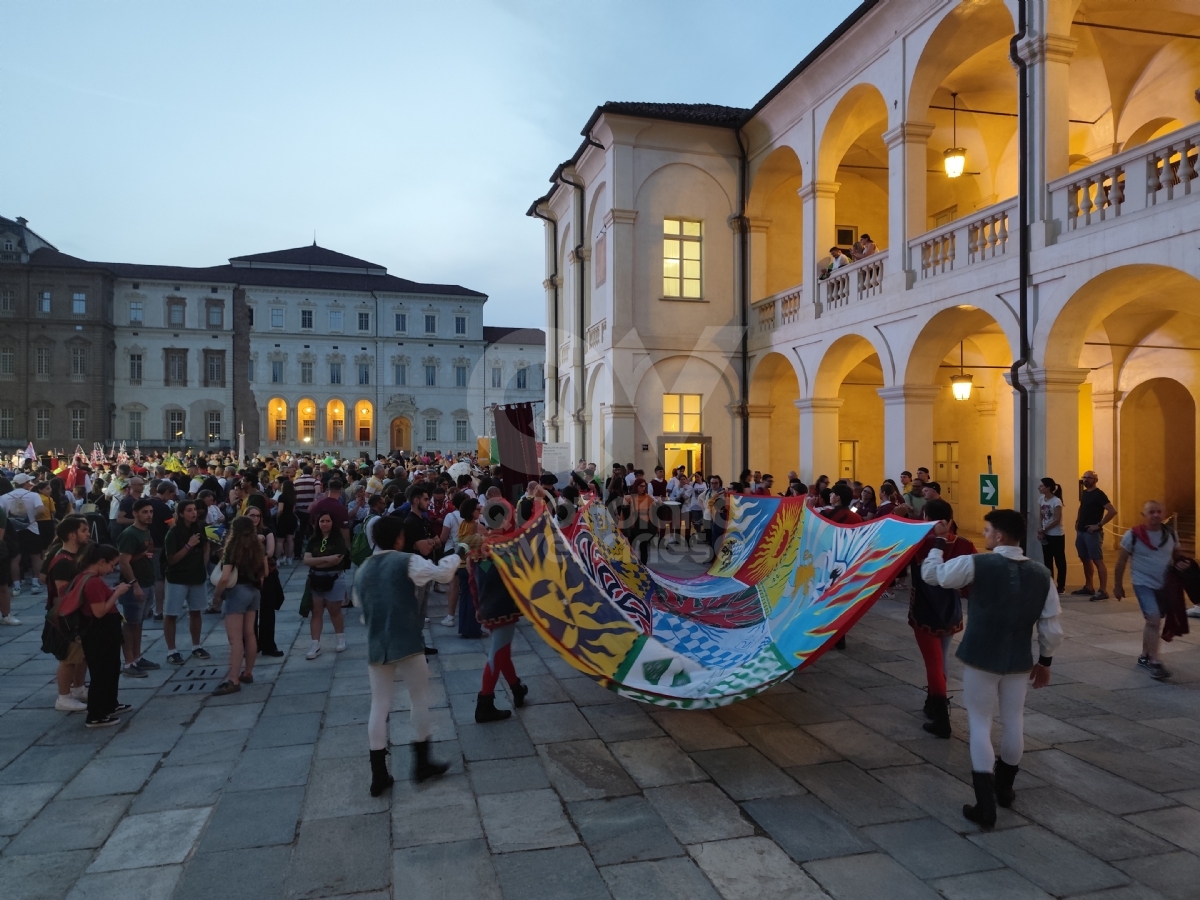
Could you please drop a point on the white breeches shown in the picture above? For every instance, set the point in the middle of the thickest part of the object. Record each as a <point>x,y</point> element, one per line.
<point>982,693</point>
<point>415,673</point>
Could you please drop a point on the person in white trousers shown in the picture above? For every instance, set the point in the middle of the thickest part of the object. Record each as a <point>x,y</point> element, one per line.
<point>1010,595</point>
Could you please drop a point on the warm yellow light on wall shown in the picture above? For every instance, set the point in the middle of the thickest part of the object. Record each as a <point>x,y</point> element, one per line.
<point>955,159</point>
<point>961,385</point>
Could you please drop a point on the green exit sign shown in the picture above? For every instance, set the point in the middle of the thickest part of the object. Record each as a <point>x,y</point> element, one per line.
<point>989,490</point>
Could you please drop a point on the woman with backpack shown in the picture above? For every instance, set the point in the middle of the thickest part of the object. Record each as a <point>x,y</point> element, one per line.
<point>101,631</point>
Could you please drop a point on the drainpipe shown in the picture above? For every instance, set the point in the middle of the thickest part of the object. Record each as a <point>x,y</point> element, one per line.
<point>744,292</point>
<point>554,332</point>
<point>581,388</point>
<point>1014,54</point>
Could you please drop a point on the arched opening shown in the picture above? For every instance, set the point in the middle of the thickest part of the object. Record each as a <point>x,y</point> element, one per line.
<point>1158,453</point>
<point>364,422</point>
<point>306,415</point>
<point>335,416</point>
<point>774,418</point>
<point>845,415</point>
<point>277,420</point>
<point>776,224</point>
<point>401,430</point>
<point>854,158</point>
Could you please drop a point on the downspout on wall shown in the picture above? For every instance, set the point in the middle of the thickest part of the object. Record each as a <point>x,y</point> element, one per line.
<point>744,293</point>
<point>1023,188</point>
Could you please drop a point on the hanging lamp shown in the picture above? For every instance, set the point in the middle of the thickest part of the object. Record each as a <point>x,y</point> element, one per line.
<point>955,159</point>
<point>960,384</point>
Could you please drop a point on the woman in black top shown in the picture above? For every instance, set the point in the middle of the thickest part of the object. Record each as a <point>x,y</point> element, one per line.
<point>243,568</point>
<point>285,520</point>
<point>326,556</point>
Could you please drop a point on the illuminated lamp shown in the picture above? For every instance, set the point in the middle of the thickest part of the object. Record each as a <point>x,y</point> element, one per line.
<point>955,159</point>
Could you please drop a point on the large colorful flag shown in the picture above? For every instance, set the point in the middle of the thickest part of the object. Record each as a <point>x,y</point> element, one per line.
<point>30,453</point>
<point>784,586</point>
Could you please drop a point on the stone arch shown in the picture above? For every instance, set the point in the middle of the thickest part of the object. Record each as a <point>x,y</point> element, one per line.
<point>852,168</point>
<point>839,359</point>
<point>776,223</point>
<point>774,418</point>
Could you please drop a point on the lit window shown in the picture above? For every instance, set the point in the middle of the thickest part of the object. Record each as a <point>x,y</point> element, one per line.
<point>214,426</point>
<point>41,430</point>
<point>7,361</point>
<point>175,315</point>
<point>276,318</point>
<point>175,423</point>
<point>308,429</point>
<point>79,361</point>
<point>681,258</point>
<point>306,318</point>
<point>431,429</point>
<point>135,426</point>
<point>335,320</point>
<point>460,324</point>
<point>431,376</point>
<point>681,413</point>
<point>276,371</point>
<point>401,323</point>
<point>460,376</point>
<point>335,373</point>
<point>364,373</point>
<point>364,321</point>
<point>460,431</point>
<point>306,373</point>
<point>7,424</point>
<point>496,377</point>
<point>135,368</point>
<point>78,424</point>
<point>401,374</point>
<point>136,312</point>
<point>280,431</point>
<point>522,379</point>
<point>431,324</point>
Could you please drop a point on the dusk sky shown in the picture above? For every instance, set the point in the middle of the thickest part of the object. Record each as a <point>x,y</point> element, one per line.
<point>412,135</point>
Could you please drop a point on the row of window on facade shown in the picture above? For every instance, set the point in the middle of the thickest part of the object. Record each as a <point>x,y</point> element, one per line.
<point>42,423</point>
<point>42,302</point>
<point>176,313</point>
<point>337,321</point>
<point>43,361</point>
<point>400,374</point>
<point>277,412</point>
<point>175,423</point>
<point>175,368</point>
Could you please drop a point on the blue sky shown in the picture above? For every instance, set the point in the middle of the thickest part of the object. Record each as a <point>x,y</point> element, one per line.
<point>413,135</point>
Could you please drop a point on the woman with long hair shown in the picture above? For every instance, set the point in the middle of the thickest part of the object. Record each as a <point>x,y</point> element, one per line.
<point>865,504</point>
<point>638,519</point>
<point>63,506</point>
<point>101,636</point>
<point>327,557</point>
<point>1050,530</point>
<point>243,568</point>
<point>285,520</point>
<point>271,595</point>
<point>889,499</point>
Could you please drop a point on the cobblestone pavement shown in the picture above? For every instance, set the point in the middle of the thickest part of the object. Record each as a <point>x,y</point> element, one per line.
<point>825,785</point>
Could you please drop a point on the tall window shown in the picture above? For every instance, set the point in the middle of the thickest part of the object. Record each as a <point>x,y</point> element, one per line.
<point>42,361</point>
<point>681,413</point>
<point>522,379</point>
<point>431,324</point>
<point>364,373</point>
<point>175,423</point>
<point>364,321</point>
<point>7,424</point>
<point>135,368</point>
<point>460,431</point>
<point>8,300</point>
<point>214,368</point>
<point>280,431</point>
<point>79,361</point>
<point>250,315</point>
<point>135,426</point>
<point>431,376</point>
<point>7,361</point>
<point>78,304</point>
<point>41,424</point>
<point>460,324</point>
<point>339,429</point>
<point>308,429</point>
<point>43,303</point>
<point>276,371</point>
<point>496,377</point>
<point>335,373</point>
<point>401,323</point>
<point>250,370</point>
<point>681,258</point>
<point>460,376</point>
<point>78,424</point>
<point>431,430</point>
<point>276,318</point>
<point>216,315</point>
<point>335,320</point>
<point>177,367</point>
<point>137,312</point>
<point>175,311</point>
<point>306,318</point>
<point>214,426</point>
<point>401,374</point>
<point>306,373</point>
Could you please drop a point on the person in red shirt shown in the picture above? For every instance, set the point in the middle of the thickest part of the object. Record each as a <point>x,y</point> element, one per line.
<point>840,512</point>
<point>102,636</point>
<point>764,487</point>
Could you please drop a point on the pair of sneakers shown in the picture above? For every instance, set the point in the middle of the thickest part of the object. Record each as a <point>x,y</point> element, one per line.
<point>75,701</point>
<point>1156,669</point>
<point>140,668</point>
<point>175,658</point>
<point>10,619</point>
<point>314,647</point>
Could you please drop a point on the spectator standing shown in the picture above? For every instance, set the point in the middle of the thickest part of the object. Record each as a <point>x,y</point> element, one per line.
<point>102,635</point>
<point>1149,549</point>
<point>1095,511</point>
<point>136,548</point>
<point>1050,530</point>
<point>185,549</point>
<point>306,492</point>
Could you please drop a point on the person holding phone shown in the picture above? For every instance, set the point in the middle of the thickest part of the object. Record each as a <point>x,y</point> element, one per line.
<point>326,556</point>
<point>102,636</point>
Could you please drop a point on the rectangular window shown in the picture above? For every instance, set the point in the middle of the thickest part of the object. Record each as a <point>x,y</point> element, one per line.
<point>335,320</point>
<point>137,312</point>
<point>335,373</point>
<point>681,259</point>
<point>306,318</point>
<point>460,376</point>
<point>214,426</point>
<point>339,430</point>
<point>216,315</point>
<point>42,365</point>
<point>496,377</point>
<point>78,424</point>
<point>135,426</point>
<point>460,431</point>
<point>41,429</point>
<point>306,373</point>
<point>600,258</point>
<point>276,318</point>
<point>214,369</point>
<point>277,371</point>
<point>431,376</point>
<point>280,431</point>
<point>43,303</point>
<point>7,361</point>
<point>364,321</point>
<point>7,425</point>
<point>250,313</point>
<point>460,324</point>
<point>8,300</point>
<point>308,429</point>
<point>401,323</point>
<point>522,379</point>
<point>681,413</point>
<point>79,361</point>
<point>431,429</point>
<point>431,324</point>
<point>364,373</point>
<point>78,304</point>
<point>175,423</point>
<point>401,374</point>
<point>175,315</point>
<point>177,367</point>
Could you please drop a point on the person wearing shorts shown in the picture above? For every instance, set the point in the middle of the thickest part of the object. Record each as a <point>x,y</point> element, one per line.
<point>185,549</point>
<point>1095,511</point>
<point>1150,550</point>
<point>137,566</point>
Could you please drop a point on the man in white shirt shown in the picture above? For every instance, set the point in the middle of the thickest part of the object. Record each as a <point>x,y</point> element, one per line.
<point>1010,594</point>
<point>1151,549</point>
<point>22,506</point>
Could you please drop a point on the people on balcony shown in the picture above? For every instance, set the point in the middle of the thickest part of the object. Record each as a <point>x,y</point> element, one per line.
<point>837,259</point>
<point>863,248</point>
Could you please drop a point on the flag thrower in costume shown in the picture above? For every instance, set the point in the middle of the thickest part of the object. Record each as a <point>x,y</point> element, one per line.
<point>786,584</point>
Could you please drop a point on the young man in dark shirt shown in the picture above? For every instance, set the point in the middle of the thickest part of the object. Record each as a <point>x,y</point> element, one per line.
<point>840,496</point>
<point>73,533</point>
<point>185,550</point>
<point>419,539</point>
<point>1095,511</point>
<point>137,551</point>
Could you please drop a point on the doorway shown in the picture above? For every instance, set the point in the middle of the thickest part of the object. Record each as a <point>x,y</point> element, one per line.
<point>692,451</point>
<point>945,469</point>
<point>848,460</point>
<point>401,434</point>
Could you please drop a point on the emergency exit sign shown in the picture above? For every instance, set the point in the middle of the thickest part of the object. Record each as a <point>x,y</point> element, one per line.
<point>989,490</point>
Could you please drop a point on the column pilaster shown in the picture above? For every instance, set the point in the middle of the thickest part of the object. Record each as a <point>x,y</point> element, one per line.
<point>907,426</point>
<point>819,437</point>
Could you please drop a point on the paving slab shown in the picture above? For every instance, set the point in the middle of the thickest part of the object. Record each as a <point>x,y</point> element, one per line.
<point>787,745</point>
<point>504,776</point>
<point>346,855</point>
<point>112,775</point>
<point>854,794</point>
<point>46,876</point>
<point>284,731</point>
<point>699,812</point>
<point>495,740</point>
<point>41,764</point>
<point>339,787</point>
<point>550,875</point>
<point>621,722</point>
<point>753,868</point>
<point>656,761</point>
<point>621,830</point>
<point>157,882</point>
<point>554,723</point>
<point>696,730</point>
<point>1056,866</point>
<point>151,839</point>
<point>525,820</point>
<point>806,828</point>
<point>21,802</point>
<point>257,873</point>
<point>1145,769</point>
<point>207,747</point>
<point>77,824</point>
<point>289,704</point>
<point>226,718</point>
<point>440,811</point>
<point>1104,835</point>
<point>1174,875</point>
<point>868,876</point>
<point>663,879</point>
<point>178,787</point>
<point>456,870</point>
<point>929,849</point>
<point>1003,884</point>
<point>1095,785</point>
<point>1178,824</point>
<point>271,768</point>
<point>253,819</point>
<point>585,770</point>
<point>745,774</point>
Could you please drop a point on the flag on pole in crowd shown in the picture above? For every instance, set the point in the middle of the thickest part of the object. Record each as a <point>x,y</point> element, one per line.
<point>30,453</point>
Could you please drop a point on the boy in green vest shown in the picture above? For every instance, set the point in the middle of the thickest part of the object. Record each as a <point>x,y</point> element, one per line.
<point>1010,594</point>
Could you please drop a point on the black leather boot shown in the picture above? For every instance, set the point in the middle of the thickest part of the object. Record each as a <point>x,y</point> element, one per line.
<point>1005,776</point>
<point>940,726</point>
<point>519,690</point>
<point>929,706</point>
<point>422,766</point>
<point>381,778</point>
<point>983,813</point>
<point>485,709</point>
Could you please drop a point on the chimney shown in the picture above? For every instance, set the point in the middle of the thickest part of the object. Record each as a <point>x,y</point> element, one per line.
<point>22,221</point>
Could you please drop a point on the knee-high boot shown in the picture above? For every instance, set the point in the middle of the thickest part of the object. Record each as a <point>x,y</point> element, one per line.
<point>381,778</point>
<point>1005,776</point>
<point>423,767</point>
<point>983,813</point>
<point>940,713</point>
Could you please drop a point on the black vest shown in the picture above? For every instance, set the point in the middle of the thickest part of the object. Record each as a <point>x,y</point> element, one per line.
<point>1007,599</point>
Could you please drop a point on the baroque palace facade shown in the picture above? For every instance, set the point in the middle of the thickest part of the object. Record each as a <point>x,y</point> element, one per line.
<point>694,316</point>
<point>297,348</point>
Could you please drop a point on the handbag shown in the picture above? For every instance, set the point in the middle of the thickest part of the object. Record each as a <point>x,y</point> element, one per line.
<point>215,577</point>
<point>323,580</point>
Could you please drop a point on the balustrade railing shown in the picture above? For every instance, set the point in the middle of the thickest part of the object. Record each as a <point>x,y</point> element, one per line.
<point>564,353</point>
<point>779,309</point>
<point>855,282</point>
<point>595,334</point>
<point>971,239</point>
